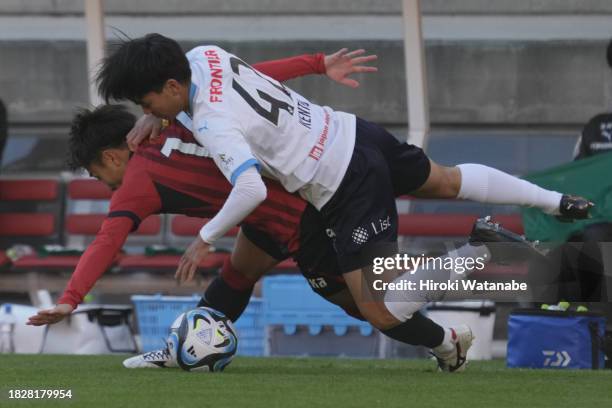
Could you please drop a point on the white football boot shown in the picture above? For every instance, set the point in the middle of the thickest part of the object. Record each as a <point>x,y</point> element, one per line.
<point>153,359</point>
<point>455,359</point>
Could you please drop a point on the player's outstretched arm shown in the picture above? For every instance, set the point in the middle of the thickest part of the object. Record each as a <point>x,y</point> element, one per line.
<point>92,265</point>
<point>51,316</point>
<point>341,64</point>
<point>337,66</point>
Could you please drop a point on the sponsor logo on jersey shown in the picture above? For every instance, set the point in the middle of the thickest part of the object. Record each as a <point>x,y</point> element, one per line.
<point>304,114</point>
<point>606,129</point>
<point>202,126</point>
<point>317,283</point>
<point>226,161</point>
<point>317,150</point>
<point>215,88</point>
<point>381,225</point>
<point>360,235</point>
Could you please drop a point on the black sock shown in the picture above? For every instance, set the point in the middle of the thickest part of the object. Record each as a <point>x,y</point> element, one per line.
<point>418,331</point>
<point>222,297</point>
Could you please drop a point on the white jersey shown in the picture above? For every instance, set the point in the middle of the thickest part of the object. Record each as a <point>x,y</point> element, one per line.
<point>243,118</point>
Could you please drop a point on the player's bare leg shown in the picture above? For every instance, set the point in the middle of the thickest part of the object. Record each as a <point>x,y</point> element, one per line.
<point>372,309</point>
<point>249,259</point>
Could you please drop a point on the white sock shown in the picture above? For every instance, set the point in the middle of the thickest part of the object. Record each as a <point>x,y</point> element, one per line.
<point>402,304</point>
<point>447,344</point>
<point>488,185</point>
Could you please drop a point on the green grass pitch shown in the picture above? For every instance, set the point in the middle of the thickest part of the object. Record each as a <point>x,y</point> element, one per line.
<point>101,381</point>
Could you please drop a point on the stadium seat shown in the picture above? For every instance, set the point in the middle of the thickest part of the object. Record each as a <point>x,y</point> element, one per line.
<point>86,210</point>
<point>45,263</point>
<point>89,224</point>
<point>183,227</point>
<point>450,225</point>
<point>76,189</point>
<point>88,189</point>
<point>30,211</point>
<point>214,260</point>
<point>460,225</point>
<point>28,190</point>
<point>436,225</point>
<point>36,227</point>
<point>80,229</point>
<point>19,225</point>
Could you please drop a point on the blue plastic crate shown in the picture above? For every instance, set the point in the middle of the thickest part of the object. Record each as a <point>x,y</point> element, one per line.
<point>156,313</point>
<point>289,302</point>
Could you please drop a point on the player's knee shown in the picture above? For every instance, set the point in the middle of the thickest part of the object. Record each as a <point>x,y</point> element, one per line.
<point>378,316</point>
<point>353,312</point>
<point>443,182</point>
<point>449,181</point>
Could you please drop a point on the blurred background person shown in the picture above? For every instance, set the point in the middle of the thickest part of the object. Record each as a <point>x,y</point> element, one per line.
<point>3,129</point>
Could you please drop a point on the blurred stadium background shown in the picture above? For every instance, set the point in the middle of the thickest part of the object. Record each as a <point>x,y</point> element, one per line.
<point>509,83</point>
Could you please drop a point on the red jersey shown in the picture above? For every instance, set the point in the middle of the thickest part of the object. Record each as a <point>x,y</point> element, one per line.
<point>161,179</point>
<point>164,180</point>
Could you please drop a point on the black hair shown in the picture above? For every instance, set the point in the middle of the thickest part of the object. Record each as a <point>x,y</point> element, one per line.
<point>93,131</point>
<point>142,65</point>
<point>609,54</point>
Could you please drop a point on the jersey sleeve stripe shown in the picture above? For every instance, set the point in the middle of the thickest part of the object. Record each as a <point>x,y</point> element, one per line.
<point>243,167</point>
<point>135,219</point>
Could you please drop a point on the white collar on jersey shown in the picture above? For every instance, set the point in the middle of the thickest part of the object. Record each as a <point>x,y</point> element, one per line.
<point>193,89</point>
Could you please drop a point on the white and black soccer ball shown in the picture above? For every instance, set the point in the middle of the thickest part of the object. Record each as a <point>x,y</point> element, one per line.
<point>202,339</point>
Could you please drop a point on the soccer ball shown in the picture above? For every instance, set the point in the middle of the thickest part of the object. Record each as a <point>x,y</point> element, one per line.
<point>202,339</point>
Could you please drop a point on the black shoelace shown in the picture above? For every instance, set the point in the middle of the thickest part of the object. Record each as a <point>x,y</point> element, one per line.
<point>163,354</point>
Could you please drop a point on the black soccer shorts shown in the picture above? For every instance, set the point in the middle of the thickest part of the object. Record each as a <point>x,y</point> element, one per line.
<point>361,217</point>
<point>316,260</point>
<point>362,210</point>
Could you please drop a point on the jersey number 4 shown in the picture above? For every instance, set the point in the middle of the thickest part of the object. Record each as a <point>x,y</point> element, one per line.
<point>276,105</point>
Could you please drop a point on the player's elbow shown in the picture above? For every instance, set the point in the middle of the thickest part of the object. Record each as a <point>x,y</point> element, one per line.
<point>260,193</point>
<point>250,187</point>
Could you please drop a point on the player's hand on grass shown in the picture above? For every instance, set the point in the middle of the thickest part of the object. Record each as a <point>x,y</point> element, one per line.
<point>147,127</point>
<point>50,316</point>
<point>190,260</point>
<point>341,64</point>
